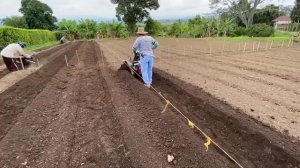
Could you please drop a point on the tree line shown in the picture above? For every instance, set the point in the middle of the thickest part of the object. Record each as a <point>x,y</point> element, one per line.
<point>236,17</point>
<point>89,29</point>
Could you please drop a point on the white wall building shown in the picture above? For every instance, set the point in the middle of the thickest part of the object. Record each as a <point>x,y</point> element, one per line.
<point>282,22</point>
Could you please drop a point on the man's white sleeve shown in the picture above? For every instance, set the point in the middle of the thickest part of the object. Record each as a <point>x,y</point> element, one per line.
<point>22,53</point>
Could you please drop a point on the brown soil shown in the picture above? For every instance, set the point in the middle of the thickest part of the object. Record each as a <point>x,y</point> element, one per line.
<point>264,84</point>
<point>4,72</point>
<point>249,141</point>
<point>87,115</point>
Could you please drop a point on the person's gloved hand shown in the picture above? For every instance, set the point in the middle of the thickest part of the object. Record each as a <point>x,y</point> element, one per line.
<point>134,50</point>
<point>155,45</point>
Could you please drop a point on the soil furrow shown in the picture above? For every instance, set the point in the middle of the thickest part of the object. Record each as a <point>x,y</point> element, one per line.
<point>229,129</point>
<point>280,74</point>
<point>15,99</point>
<point>289,105</point>
<point>248,75</point>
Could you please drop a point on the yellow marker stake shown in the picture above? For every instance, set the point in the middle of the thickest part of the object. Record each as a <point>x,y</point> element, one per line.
<point>166,106</point>
<point>191,124</point>
<point>207,143</point>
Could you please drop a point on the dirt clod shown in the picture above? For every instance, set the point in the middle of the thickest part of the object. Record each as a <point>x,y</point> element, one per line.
<point>170,158</point>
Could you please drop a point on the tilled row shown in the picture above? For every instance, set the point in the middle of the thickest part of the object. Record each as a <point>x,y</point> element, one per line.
<point>252,143</point>
<point>88,115</point>
<point>14,100</point>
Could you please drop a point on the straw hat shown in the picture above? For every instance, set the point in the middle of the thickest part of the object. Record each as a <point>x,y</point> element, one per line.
<point>141,31</point>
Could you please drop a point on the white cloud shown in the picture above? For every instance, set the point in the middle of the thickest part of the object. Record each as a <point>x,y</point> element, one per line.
<point>9,8</point>
<point>181,8</point>
<point>104,9</point>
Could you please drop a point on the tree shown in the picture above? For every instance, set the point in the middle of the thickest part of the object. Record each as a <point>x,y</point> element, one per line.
<point>70,28</point>
<point>152,26</point>
<point>115,29</point>
<point>38,15</point>
<point>286,10</point>
<point>267,15</point>
<point>295,14</point>
<point>133,11</point>
<point>209,25</point>
<point>15,21</point>
<point>178,29</point>
<point>103,29</point>
<point>227,26</point>
<point>196,28</point>
<point>87,28</point>
<point>244,9</point>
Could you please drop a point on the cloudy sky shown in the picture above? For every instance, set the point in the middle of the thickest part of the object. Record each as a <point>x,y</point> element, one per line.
<point>104,9</point>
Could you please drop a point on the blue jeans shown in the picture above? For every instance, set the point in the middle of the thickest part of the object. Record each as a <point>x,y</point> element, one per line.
<point>146,63</point>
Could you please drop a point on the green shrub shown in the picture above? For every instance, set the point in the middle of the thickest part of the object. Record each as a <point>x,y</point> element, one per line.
<point>31,37</point>
<point>260,30</point>
<point>59,34</point>
<point>239,31</point>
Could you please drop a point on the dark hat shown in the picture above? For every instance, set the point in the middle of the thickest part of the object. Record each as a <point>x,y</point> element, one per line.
<point>22,44</point>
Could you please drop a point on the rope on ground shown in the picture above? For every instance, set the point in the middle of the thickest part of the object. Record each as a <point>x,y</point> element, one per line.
<point>190,123</point>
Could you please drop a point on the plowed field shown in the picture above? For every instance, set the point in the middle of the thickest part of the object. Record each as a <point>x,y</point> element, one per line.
<point>93,114</point>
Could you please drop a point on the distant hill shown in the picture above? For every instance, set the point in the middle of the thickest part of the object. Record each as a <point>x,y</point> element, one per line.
<point>162,20</point>
<point>185,19</point>
<point>97,19</point>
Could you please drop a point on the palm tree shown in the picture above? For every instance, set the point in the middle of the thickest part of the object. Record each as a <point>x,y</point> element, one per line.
<point>87,28</point>
<point>227,25</point>
<point>209,25</point>
<point>70,28</point>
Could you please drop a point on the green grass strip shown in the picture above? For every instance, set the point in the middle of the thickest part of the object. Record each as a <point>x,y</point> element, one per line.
<point>39,47</point>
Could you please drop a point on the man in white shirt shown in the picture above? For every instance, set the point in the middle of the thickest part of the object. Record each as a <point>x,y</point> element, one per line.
<point>14,56</point>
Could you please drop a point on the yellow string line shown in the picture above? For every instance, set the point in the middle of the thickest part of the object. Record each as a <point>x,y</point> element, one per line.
<point>169,103</point>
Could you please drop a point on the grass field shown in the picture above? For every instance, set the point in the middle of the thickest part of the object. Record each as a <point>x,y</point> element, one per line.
<point>278,37</point>
<point>38,47</point>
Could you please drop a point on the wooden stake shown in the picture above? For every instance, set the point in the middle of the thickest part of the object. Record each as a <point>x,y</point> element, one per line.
<point>271,44</point>
<point>38,62</point>
<point>245,46</point>
<point>22,63</point>
<point>267,44</point>
<point>78,56</point>
<point>253,46</point>
<point>223,46</point>
<point>258,46</point>
<point>239,46</point>
<point>66,60</point>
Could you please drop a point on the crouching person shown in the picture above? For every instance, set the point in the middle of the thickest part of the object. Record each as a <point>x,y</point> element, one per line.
<point>14,56</point>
